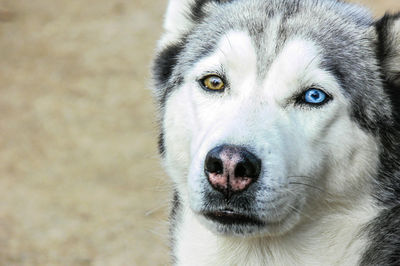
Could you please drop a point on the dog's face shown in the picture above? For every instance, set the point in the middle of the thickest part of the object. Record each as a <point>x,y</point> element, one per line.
<point>264,113</point>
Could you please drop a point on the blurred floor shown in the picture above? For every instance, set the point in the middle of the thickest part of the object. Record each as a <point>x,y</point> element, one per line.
<point>80,180</point>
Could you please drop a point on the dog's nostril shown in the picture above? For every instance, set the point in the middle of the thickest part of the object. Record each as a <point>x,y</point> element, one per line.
<point>213,162</point>
<point>241,170</point>
<point>248,167</point>
<point>214,165</point>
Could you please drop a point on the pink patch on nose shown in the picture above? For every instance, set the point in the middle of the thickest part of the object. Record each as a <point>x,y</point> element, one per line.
<point>218,180</point>
<point>239,183</point>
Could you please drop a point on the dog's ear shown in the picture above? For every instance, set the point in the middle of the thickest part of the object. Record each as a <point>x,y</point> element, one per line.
<point>388,29</point>
<point>182,15</point>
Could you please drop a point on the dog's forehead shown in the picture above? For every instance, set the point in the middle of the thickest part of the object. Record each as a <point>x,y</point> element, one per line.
<point>236,55</point>
<point>341,33</point>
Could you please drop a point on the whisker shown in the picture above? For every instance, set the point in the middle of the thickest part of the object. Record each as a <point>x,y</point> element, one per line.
<point>156,209</point>
<point>333,143</point>
<point>301,176</point>
<point>301,213</point>
<point>323,202</point>
<point>307,185</point>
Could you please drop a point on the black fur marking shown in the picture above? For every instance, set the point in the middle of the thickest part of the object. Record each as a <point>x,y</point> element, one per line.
<point>165,62</point>
<point>197,12</point>
<point>176,203</point>
<point>161,145</point>
<point>385,238</point>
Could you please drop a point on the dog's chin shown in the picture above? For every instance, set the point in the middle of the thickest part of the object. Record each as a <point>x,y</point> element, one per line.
<point>230,223</point>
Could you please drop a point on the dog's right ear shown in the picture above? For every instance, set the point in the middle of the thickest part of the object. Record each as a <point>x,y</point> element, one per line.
<point>182,15</point>
<point>388,29</point>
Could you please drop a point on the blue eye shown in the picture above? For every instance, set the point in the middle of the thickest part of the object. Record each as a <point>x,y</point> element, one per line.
<point>315,96</point>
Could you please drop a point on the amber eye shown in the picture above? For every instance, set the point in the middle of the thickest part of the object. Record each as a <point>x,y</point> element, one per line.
<point>213,83</point>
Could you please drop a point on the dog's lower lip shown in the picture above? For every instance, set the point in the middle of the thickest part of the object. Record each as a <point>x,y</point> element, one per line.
<point>230,217</point>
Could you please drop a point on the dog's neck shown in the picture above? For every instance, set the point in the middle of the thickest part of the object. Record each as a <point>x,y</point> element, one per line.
<point>336,237</point>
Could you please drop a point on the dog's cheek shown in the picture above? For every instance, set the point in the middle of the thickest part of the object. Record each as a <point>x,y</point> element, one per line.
<point>354,159</point>
<point>177,136</point>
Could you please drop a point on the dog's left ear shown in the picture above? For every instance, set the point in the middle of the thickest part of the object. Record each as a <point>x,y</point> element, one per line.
<point>388,29</point>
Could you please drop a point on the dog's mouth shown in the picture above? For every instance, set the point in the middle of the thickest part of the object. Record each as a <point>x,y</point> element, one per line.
<point>230,217</point>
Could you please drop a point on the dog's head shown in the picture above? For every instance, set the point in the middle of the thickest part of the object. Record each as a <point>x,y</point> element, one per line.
<point>271,109</point>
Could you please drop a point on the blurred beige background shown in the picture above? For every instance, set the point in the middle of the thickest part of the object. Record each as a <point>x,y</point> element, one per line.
<point>80,178</point>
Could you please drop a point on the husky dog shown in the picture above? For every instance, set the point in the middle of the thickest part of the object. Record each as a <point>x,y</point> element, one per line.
<point>280,130</point>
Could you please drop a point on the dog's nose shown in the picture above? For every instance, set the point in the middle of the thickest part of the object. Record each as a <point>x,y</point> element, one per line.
<point>231,169</point>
